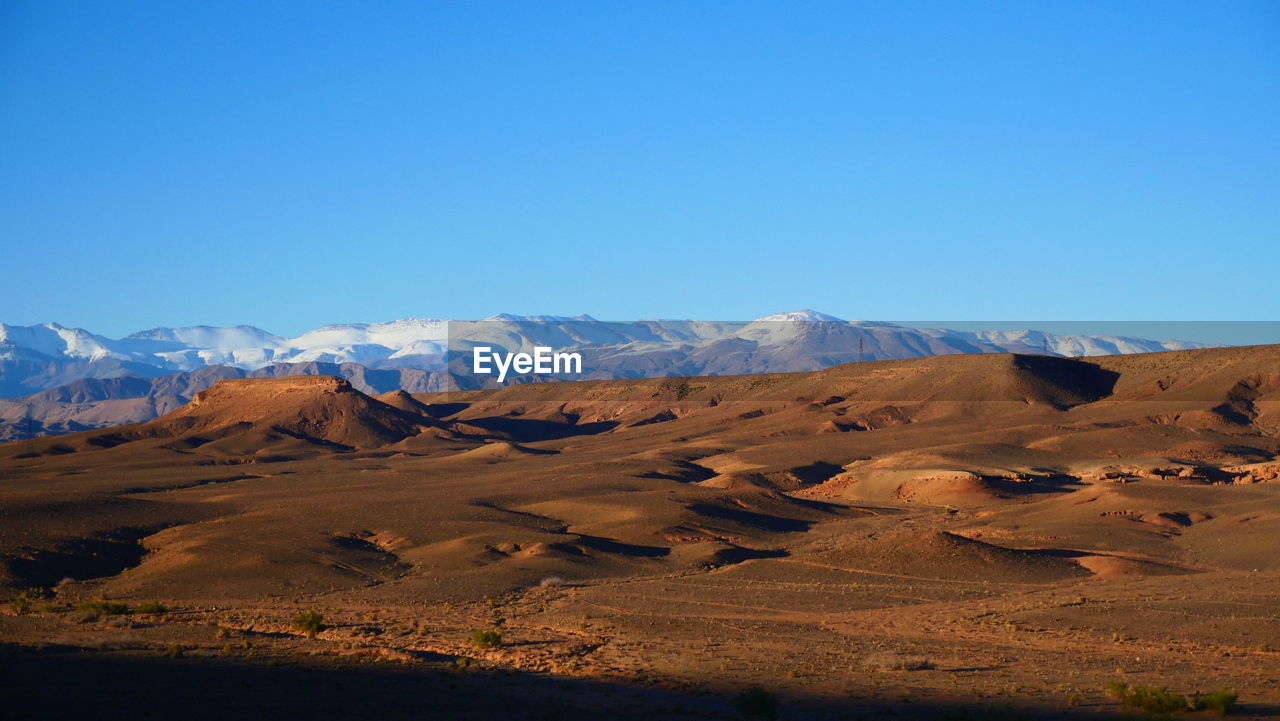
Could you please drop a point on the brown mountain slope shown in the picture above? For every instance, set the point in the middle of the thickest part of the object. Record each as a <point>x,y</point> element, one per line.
<point>99,403</point>
<point>1059,382</point>
<point>319,408</point>
<point>247,416</point>
<point>405,402</point>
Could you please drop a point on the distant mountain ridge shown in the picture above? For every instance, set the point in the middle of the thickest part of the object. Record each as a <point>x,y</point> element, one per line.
<point>167,350</point>
<point>69,379</point>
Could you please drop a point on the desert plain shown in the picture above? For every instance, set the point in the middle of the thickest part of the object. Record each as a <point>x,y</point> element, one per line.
<point>965,536</point>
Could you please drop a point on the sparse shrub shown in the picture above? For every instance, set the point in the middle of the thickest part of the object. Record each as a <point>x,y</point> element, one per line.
<point>486,639</point>
<point>173,651</point>
<point>21,604</point>
<point>1155,700</point>
<point>309,622</point>
<point>1220,702</point>
<point>755,701</point>
<point>151,607</point>
<point>898,662</point>
<point>103,608</point>
<point>551,582</point>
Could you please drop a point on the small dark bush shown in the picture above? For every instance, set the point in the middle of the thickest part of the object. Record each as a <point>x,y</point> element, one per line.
<point>21,604</point>
<point>103,608</point>
<point>1155,700</point>
<point>486,639</point>
<point>151,607</point>
<point>309,622</point>
<point>898,662</point>
<point>755,701</point>
<point>1220,702</point>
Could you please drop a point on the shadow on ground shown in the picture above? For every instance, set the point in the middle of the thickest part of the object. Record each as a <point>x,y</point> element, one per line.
<point>71,683</point>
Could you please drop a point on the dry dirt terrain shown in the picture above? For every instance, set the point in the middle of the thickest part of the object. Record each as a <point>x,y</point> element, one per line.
<point>957,537</point>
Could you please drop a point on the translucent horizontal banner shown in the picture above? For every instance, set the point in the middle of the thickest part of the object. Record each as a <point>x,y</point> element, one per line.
<point>577,358</point>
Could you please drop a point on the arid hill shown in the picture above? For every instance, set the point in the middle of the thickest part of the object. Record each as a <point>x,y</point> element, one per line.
<point>318,409</point>
<point>90,403</point>
<point>1033,527</point>
<point>262,415</point>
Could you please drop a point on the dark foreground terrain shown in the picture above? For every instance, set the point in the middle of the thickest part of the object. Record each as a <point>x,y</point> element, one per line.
<point>990,536</point>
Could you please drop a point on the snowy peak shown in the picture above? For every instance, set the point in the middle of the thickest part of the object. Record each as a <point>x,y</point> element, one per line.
<point>508,317</point>
<point>365,342</point>
<point>204,336</point>
<point>1034,341</point>
<point>53,340</point>
<point>799,316</point>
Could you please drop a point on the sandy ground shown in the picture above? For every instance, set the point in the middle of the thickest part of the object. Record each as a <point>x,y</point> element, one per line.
<point>965,537</point>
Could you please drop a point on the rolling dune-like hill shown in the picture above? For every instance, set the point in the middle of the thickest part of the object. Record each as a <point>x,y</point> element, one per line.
<point>938,506</point>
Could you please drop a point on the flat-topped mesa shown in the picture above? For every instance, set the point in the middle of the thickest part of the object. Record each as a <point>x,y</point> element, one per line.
<point>264,388</point>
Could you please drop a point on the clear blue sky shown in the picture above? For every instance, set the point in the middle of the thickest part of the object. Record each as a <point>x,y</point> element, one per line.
<point>291,164</point>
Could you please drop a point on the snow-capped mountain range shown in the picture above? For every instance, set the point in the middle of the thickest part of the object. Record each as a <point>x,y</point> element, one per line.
<point>55,379</point>
<point>243,346</point>
<point>247,347</point>
<point>38,357</point>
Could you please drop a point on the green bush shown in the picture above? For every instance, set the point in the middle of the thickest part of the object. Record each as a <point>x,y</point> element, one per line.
<point>486,639</point>
<point>151,607</point>
<point>755,701</point>
<point>1220,702</point>
<point>1155,700</point>
<point>309,622</point>
<point>21,604</point>
<point>103,608</point>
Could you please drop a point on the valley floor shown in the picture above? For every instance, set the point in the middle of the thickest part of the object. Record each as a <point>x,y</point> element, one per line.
<point>960,537</point>
<point>825,641</point>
